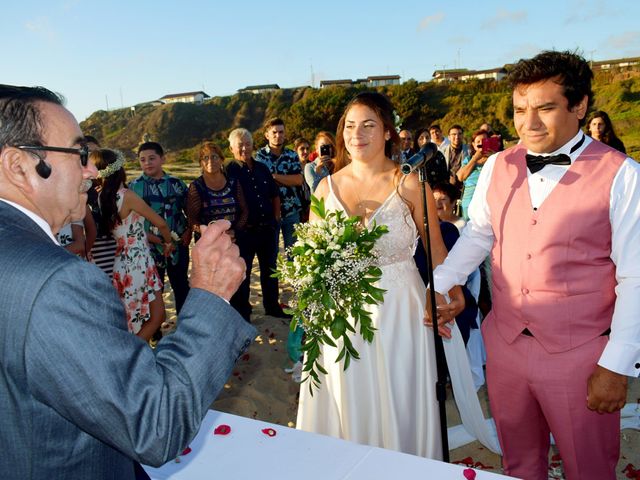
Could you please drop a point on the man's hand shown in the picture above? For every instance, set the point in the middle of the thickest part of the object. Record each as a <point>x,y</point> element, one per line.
<point>606,391</point>
<point>446,312</point>
<point>217,266</point>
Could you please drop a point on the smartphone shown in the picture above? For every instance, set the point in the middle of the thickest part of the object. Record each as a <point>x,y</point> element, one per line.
<point>326,150</point>
<point>491,144</point>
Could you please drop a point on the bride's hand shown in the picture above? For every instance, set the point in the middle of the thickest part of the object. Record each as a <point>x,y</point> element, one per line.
<point>446,312</point>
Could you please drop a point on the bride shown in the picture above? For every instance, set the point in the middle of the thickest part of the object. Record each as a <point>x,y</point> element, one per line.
<point>387,398</point>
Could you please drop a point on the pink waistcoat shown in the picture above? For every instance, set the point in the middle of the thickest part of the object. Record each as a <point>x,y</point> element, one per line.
<point>551,268</point>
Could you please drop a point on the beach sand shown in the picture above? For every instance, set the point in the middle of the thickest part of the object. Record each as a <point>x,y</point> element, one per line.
<point>259,388</point>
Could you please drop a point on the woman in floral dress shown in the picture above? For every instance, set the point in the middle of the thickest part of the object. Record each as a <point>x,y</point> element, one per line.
<point>134,271</point>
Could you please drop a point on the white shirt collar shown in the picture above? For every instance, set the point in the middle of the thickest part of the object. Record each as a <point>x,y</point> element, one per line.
<point>566,148</point>
<point>37,219</point>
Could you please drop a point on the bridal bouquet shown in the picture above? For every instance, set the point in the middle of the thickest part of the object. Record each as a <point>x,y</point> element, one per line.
<point>332,270</point>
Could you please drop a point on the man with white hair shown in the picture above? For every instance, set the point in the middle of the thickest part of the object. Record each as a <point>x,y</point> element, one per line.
<point>260,236</point>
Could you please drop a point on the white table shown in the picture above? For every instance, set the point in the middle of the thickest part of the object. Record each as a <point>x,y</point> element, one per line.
<point>246,452</point>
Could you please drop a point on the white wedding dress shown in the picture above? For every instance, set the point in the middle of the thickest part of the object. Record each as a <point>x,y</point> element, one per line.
<point>387,398</point>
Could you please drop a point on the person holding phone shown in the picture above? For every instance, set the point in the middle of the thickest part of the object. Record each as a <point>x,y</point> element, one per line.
<point>482,146</point>
<point>323,164</point>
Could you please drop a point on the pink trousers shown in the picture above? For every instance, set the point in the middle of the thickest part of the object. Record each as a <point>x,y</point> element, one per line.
<point>533,392</point>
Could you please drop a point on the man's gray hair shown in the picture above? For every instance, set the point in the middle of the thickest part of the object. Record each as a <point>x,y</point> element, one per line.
<point>20,121</point>
<point>240,134</point>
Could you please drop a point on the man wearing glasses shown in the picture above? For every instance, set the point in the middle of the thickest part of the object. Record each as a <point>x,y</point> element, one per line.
<point>80,396</point>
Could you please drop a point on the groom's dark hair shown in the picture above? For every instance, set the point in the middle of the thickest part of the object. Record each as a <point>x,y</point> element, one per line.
<point>20,119</point>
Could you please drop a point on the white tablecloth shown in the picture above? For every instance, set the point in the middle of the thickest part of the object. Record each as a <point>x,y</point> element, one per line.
<point>247,452</point>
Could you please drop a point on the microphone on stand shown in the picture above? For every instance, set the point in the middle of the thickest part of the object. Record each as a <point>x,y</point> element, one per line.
<point>422,156</point>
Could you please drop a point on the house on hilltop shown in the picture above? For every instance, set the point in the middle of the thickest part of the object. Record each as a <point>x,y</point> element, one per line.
<point>260,88</point>
<point>458,74</point>
<point>382,80</point>
<point>189,97</point>
<point>336,83</point>
<point>621,63</point>
<point>371,81</point>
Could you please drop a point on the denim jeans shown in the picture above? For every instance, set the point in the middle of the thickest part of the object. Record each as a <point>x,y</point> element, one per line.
<point>286,227</point>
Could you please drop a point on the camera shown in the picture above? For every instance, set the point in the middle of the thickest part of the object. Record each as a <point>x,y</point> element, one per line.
<point>326,150</point>
<point>491,144</point>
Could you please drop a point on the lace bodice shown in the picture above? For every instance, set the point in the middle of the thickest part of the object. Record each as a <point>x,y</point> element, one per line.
<point>398,244</point>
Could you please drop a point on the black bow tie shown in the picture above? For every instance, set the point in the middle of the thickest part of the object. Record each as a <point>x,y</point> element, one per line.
<point>536,163</point>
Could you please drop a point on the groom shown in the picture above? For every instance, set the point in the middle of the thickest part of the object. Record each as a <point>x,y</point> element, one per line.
<point>80,396</point>
<point>559,214</point>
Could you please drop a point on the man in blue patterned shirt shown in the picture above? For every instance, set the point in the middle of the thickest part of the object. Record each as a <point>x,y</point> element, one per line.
<point>285,168</point>
<point>167,195</point>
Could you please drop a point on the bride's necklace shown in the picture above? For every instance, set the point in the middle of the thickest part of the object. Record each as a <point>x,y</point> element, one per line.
<point>361,204</point>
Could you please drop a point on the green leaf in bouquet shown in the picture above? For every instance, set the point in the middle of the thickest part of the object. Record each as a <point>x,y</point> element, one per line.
<point>377,293</point>
<point>317,206</point>
<point>327,301</point>
<point>326,339</point>
<point>338,326</point>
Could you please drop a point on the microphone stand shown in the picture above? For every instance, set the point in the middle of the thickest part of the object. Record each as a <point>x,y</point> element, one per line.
<point>441,364</point>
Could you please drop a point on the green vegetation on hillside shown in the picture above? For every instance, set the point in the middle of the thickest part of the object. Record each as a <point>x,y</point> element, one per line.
<point>181,127</point>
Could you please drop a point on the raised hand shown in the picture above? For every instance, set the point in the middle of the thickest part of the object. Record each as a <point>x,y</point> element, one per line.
<point>217,266</point>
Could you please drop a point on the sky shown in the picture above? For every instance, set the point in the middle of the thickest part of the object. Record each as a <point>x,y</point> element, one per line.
<point>112,54</point>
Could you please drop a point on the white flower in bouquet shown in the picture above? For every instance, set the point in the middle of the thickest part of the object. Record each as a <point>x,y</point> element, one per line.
<point>333,271</point>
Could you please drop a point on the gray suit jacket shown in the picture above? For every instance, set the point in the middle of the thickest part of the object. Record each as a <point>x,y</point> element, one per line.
<point>80,396</point>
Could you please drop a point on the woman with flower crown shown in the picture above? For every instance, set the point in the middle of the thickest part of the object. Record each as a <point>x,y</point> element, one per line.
<point>134,271</point>
<point>387,397</point>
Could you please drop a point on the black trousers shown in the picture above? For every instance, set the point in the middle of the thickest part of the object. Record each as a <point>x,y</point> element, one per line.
<point>178,276</point>
<point>261,242</point>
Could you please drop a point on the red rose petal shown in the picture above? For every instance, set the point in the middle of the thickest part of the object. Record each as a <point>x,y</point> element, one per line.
<point>245,357</point>
<point>469,474</point>
<point>222,430</point>
<point>186,451</point>
<point>269,431</point>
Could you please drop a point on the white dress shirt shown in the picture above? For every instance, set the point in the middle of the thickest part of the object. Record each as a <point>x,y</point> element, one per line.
<point>39,220</point>
<point>622,352</point>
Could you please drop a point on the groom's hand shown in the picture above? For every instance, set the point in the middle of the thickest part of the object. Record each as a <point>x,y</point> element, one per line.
<point>606,390</point>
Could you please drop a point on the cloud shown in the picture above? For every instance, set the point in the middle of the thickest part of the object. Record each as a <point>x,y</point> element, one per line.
<point>582,11</point>
<point>623,41</point>
<point>504,16</point>
<point>42,27</point>
<point>70,4</point>
<point>426,22</point>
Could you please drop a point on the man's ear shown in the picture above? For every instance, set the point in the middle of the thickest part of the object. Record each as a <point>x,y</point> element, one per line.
<point>581,108</point>
<point>17,167</point>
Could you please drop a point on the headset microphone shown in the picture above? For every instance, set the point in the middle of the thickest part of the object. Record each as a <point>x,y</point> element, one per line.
<point>43,169</point>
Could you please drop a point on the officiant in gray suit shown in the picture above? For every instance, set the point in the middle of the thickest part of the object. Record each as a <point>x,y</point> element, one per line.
<point>80,396</point>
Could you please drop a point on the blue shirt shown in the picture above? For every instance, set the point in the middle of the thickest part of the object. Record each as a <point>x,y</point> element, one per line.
<point>167,196</point>
<point>285,164</point>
